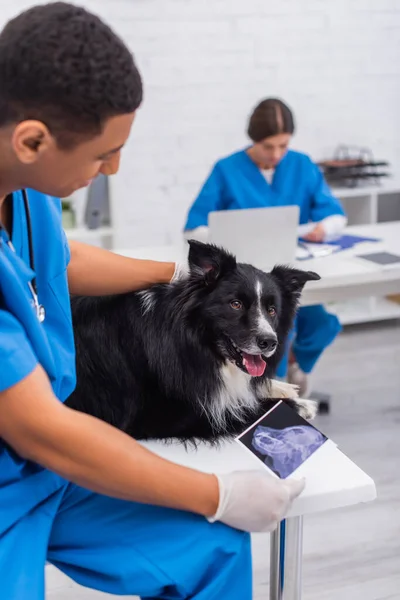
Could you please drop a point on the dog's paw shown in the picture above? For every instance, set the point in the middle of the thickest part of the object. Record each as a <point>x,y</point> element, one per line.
<point>307,409</point>
<point>280,389</point>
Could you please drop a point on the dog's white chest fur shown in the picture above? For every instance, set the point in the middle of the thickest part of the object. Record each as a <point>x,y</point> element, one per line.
<point>234,395</point>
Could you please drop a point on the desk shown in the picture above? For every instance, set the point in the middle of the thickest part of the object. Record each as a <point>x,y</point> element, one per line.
<point>333,481</point>
<point>343,276</point>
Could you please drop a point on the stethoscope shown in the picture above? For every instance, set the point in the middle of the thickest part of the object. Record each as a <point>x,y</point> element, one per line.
<point>32,285</point>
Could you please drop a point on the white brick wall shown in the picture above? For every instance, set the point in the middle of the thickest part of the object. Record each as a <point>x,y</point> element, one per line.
<point>206,63</point>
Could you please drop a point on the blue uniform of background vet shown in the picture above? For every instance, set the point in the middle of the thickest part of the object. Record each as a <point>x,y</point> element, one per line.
<point>112,545</point>
<point>236,182</point>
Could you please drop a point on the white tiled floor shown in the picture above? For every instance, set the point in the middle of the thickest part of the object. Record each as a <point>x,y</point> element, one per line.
<point>352,553</point>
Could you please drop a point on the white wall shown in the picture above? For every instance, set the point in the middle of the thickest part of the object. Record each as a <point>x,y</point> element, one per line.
<point>206,63</point>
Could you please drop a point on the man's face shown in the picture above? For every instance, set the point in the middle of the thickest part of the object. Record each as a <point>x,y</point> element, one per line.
<point>60,172</point>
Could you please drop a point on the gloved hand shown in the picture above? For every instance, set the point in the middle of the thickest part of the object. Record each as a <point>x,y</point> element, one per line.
<point>201,235</point>
<point>181,272</point>
<point>254,501</point>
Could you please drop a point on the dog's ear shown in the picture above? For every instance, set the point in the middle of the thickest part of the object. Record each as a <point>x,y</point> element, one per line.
<point>209,262</point>
<point>293,280</point>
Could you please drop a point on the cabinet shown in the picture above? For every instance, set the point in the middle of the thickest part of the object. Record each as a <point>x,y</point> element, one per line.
<point>363,206</point>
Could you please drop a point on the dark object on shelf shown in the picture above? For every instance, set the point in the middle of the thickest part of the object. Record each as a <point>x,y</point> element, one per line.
<point>97,211</point>
<point>351,166</point>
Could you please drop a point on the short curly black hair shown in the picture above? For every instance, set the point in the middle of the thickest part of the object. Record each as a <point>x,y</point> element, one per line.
<point>63,66</point>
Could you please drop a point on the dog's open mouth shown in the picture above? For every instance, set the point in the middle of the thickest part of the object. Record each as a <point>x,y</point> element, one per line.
<point>253,364</point>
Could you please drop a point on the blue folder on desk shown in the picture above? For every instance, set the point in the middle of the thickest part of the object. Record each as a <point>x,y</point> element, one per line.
<point>318,249</point>
<point>348,241</point>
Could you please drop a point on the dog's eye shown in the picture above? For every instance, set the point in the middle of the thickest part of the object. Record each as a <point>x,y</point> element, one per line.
<point>272,311</point>
<point>236,304</point>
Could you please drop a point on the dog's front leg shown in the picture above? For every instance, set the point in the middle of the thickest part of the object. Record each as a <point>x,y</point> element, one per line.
<point>286,391</point>
<point>279,389</point>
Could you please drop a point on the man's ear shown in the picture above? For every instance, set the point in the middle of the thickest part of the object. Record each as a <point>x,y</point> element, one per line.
<point>293,280</point>
<point>208,262</point>
<point>30,139</point>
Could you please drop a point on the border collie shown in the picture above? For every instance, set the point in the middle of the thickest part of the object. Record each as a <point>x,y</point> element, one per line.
<point>193,359</point>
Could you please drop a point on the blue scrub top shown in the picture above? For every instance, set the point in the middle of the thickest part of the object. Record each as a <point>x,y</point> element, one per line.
<point>236,182</point>
<point>24,342</point>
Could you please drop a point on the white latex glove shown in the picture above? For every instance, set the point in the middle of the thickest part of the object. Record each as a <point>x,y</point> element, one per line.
<point>181,272</point>
<point>255,501</point>
<point>201,235</point>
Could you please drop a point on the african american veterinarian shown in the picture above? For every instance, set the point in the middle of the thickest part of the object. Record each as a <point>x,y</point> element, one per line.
<point>73,490</point>
<point>268,174</point>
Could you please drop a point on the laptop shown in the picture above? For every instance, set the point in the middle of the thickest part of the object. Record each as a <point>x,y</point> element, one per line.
<point>262,237</point>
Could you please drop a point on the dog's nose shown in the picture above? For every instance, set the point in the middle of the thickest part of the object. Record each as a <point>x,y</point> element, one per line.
<point>267,343</point>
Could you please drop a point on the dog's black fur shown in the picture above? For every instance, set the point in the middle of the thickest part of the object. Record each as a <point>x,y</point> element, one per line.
<point>155,363</point>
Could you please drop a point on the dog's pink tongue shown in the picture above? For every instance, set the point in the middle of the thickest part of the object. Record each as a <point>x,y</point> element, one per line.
<point>255,365</point>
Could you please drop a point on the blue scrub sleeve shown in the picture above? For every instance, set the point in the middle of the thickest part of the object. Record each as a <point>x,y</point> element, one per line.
<point>210,198</point>
<point>323,202</point>
<point>17,359</point>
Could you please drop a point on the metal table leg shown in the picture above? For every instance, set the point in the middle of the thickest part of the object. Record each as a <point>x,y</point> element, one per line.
<point>286,560</point>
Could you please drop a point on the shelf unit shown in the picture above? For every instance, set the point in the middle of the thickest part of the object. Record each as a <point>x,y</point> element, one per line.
<point>363,206</point>
<point>102,236</point>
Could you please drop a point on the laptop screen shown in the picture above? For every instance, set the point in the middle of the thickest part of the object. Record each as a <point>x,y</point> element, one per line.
<point>262,237</point>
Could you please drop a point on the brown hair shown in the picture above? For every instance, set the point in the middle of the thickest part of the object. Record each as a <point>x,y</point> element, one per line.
<point>270,117</point>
